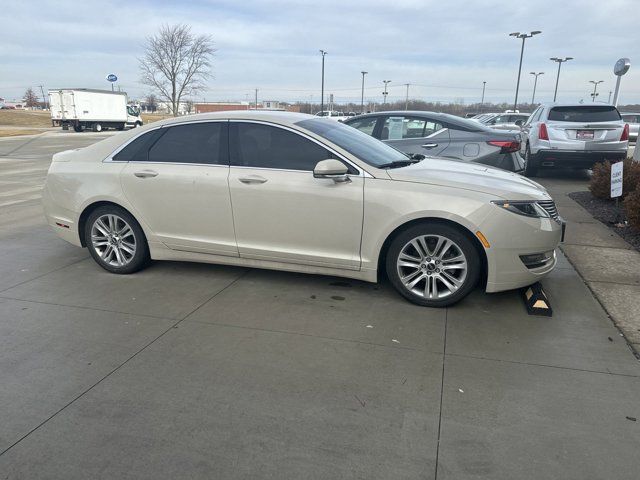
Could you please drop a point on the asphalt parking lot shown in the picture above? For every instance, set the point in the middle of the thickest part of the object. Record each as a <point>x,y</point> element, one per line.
<point>203,371</point>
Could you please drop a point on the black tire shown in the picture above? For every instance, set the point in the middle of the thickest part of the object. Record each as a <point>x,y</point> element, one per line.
<point>140,257</point>
<point>530,163</point>
<point>78,128</point>
<point>120,127</point>
<point>96,127</point>
<point>461,245</point>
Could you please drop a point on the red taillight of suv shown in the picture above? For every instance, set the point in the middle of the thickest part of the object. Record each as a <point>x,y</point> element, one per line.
<point>506,146</point>
<point>542,132</point>
<point>625,133</point>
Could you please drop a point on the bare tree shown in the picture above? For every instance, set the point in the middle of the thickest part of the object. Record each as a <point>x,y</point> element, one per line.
<point>151,102</point>
<point>176,63</point>
<point>30,98</point>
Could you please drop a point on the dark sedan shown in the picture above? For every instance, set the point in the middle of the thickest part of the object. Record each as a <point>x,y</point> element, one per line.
<point>442,135</point>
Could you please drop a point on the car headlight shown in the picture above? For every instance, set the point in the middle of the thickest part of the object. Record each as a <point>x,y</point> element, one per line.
<point>523,207</point>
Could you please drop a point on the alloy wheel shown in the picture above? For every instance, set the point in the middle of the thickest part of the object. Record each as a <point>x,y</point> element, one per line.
<point>432,266</point>
<point>113,240</point>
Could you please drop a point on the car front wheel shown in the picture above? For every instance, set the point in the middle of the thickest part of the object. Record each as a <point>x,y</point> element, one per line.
<point>116,240</point>
<point>433,265</point>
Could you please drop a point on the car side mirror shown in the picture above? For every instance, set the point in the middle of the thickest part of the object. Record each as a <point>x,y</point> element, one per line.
<point>331,168</point>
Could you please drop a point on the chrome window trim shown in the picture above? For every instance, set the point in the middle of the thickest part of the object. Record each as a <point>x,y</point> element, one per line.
<point>361,171</point>
<point>110,159</point>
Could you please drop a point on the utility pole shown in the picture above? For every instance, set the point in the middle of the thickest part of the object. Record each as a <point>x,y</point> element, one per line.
<point>610,92</point>
<point>484,84</point>
<point>595,87</point>
<point>362,97</point>
<point>560,62</point>
<point>406,101</point>
<point>535,84</point>
<point>256,99</point>
<point>44,99</point>
<point>385,93</point>
<point>523,36</point>
<point>322,90</point>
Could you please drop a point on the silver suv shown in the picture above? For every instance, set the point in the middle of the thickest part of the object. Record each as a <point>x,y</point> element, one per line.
<point>573,136</point>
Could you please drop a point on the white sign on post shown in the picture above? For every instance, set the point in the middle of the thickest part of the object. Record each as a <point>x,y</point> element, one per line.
<point>616,179</point>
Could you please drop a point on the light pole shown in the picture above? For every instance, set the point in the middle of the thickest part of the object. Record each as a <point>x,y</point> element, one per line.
<point>322,89</point>
<point>610,92</point>
<point>595,87</point>
<point>535,83</point>
<point>385,93</point>
<point>484,84</point>
<point>560,61</point>
<point>362,97</point>
<point>523,36</point>
<point>406,101</point>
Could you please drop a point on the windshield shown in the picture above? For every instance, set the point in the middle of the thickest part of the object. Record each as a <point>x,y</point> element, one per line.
<point>366,148</point>
<point>587,113</point>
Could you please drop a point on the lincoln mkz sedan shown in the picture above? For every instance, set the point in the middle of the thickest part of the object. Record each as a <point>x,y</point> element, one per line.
<point>292,192</point>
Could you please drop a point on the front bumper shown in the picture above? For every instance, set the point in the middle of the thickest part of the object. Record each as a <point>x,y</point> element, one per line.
<point>576,158</point>
<point>510,238</point>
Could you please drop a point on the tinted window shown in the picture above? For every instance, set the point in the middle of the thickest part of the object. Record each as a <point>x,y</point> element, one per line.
<point>258,145</point>
<point>138,149</point>
<point>587,113</point>
<point>366,148</point>
<point>365,125</point>
<point>203,143</point>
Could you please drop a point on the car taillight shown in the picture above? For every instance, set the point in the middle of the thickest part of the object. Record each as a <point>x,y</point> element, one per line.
<point>542,132</point>
<point>625,133</point>
<point>506,146</point>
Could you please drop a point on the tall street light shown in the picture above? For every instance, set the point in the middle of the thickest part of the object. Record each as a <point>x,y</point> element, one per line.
<point>595,87</point>
<point>362,98</point>
<point>523,36</point>
<point>322,90</point>
<point>560,61</point>
<point>484,84</point>
<point>535,83</point>
<point>385,93</point>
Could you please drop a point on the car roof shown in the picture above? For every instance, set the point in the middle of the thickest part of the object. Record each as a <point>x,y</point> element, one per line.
<point>445,117</point>
<point>576,104</point>
<point>276,116</point>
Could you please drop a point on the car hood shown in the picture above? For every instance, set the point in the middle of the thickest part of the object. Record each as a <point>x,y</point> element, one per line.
<point>471,176</point>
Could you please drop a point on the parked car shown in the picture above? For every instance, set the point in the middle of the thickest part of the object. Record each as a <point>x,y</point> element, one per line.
<point>288,191</point>
<point>332,114</point>
<point>483,116</point>
<point>506,121</point>
<point>633,119</point>
<point>573,136</point>
<point>443,135</point>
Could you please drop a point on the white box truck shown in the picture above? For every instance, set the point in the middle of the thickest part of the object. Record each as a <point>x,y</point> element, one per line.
<point>85,108</point>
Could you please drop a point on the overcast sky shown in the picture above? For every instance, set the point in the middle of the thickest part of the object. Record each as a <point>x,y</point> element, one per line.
<point>445,49</point>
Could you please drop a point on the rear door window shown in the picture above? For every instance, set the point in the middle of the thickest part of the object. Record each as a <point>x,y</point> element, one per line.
<point>586,113</point>
<point>201,143</point>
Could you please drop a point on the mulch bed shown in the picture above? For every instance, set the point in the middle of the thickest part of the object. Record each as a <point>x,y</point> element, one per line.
<point>607,213</point>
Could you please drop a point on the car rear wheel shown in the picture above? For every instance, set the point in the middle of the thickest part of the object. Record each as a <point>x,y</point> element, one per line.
<point>530,164</point>
<point>433,265</point>
<point>116,240</point>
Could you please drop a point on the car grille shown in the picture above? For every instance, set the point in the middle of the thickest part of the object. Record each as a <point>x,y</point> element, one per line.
<point>550,207</point>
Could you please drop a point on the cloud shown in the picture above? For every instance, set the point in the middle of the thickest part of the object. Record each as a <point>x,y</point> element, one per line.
<point>444,49</point>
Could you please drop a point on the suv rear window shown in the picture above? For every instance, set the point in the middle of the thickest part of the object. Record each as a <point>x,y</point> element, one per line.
<point>587,113</point>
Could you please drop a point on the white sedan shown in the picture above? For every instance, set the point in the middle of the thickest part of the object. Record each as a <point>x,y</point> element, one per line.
<point>292,192</point>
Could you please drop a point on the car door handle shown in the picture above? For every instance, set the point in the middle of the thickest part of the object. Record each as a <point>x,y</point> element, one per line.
<point>430,145</point>
<point>252,179</point>
<point>146,174</point>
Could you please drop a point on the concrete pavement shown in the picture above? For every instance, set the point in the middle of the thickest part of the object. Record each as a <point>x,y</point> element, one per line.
<point>204,371</point>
